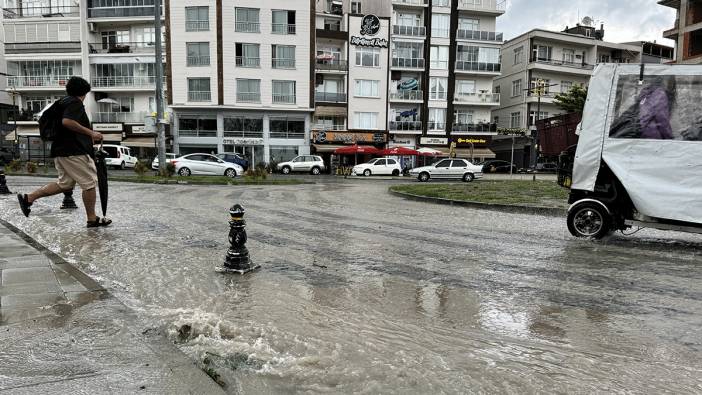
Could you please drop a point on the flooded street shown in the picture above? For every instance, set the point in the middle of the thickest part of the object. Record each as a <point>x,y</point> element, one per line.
<point>360,291</point>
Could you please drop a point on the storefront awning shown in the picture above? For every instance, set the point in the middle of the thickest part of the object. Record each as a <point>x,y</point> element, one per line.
<point>140,142</point>
<point>324,148</point>
<point>329,111</point>
<point>484,153</point>
<point>10,136</point>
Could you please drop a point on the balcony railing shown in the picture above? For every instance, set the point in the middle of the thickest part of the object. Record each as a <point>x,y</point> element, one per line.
<point>39,81</point>
<point>125,47</point>
<point>431,125</point>
<point>553,62</point>
<point>53,47</point>
<point>125,82</point>
<point>407,95</point>
<point>247,27</point>
<point>408,63</point>
<point>545,95</point>
<point>124,117</point>
<point>283,28</point>
<point>330,97</point>
<point>280,63</point>
<point>56,11</point>
<point>477,98</point>
<point>197,26</point>
<point>129,8</point>
<point>249,134</point>
<point>481,67</point>
<point>497,6</point>
<point>197,133</point>
<point>283,99</point>
<point>332,65</point>
<point>327,127</point>
<point>411,2</point>
<point>202,96</point>
<point>287,135</point>
<point>414,31</point>
<point>242,61</point>
<point>406,125</point>
<point>198,61</point>
<point>478,35</point>
<point>248,97</point>
<point>475,127</point>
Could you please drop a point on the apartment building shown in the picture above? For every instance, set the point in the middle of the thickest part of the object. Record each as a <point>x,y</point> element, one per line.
<point>109,44</point>
<point>240,76</point>
<point>687,31</point>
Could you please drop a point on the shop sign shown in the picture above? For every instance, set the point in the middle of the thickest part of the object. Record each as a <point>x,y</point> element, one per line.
<point>370,26</point>
<point>139,129</point>
<point>475,141</point>
<point>404,141</point>
<point>369,42</point>
<point>107,127</point>
<point>434,141</point>
<point>242,141</point>
<point>347,137</point>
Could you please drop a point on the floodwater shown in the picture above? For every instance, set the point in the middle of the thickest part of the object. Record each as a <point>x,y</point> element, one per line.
<point>360,291</point>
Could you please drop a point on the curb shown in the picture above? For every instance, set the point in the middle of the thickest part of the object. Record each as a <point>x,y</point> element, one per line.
<point>508,208</point>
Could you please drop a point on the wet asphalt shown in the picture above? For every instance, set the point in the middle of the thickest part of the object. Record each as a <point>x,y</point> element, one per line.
<point>361,291</point>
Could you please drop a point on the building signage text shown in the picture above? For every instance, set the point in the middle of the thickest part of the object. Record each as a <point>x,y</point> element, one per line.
<point>243,141</point>
<point>139,129</point>
<point>369,42</point>
<point>107,127</point>
<point>475,141</point>
<point>434,141</point>
<point>347,137</point>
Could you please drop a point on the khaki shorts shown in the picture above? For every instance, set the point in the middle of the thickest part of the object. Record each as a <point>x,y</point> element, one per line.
<point>74,170</point>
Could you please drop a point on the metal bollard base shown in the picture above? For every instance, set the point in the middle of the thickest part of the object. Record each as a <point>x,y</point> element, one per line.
<point>242,270</point>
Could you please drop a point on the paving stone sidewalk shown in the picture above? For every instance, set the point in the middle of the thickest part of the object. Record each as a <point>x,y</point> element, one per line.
<point>61,332</point>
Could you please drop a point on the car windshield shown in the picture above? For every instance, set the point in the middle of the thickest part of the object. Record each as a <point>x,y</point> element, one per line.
<point>112,152</point>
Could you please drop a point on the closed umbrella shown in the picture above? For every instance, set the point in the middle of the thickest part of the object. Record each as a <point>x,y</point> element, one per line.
<point>101,166</point>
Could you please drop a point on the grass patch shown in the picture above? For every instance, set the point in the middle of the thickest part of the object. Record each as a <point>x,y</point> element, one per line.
<point>513,192</point>
<point>203,180</point>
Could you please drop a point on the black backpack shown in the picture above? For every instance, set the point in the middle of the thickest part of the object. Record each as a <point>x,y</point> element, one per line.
<point>50,123</point>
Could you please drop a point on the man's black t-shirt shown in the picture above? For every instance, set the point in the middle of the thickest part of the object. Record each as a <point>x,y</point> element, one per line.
<point>68,142</point>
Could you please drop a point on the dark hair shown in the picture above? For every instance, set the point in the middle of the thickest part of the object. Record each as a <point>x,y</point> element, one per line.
<point>77,87</point>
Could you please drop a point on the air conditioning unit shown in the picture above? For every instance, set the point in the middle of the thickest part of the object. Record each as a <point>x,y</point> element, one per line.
<point>92,27</point>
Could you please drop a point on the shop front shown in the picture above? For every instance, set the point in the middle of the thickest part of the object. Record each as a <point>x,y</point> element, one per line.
<point>251,148</point>
<point>405,141</point>
<point>474,148</point>
<point>325,143</point>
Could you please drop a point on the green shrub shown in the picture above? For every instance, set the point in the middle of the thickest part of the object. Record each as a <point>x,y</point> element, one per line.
<point>170,170</point>
<point>259,173</point>
<point>31,167</point>
<point>141,168</point>
<point>15,165</point>
<point>272,167</point>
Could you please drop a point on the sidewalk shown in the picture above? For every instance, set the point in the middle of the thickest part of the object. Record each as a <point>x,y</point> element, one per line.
<point>60,332</point>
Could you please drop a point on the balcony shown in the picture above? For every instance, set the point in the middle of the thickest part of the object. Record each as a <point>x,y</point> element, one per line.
<point>283,99</point>
<point>125,47</point>
<point>490,7</point>
<point>408,63</point>
<point>283,28</point>
<point>406,126</point>
<point>562,63</point>
<point>333,31</point>
<point>242,61</point>
<point>126,9</point>
<point>199,96</point>
<point>673,32</point>
<point>332,65</point>
<point>329,128</point>
<point>416,3</point>
<point>253,134</point>
<point>38,81</point>
<point>287,135</point>
<point>248,97</point>
<point>477,67</point>
<point>43,47</point>
<point>474,128</point>
<point>329,97</point>
<point>137,82</point>
<point>415,95</point>
<point>477,99</point>
<point>436,126</point>
<point>247,27</point>
<point>412,31</point>
<point>197,26</point>
<point>198,61</point>
<point>121,117</point>
<point>476,35</point>
<point>56,11</point>
<point>282,63</point>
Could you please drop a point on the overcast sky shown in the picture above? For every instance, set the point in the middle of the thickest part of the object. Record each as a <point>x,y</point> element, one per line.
<point>624,20</point>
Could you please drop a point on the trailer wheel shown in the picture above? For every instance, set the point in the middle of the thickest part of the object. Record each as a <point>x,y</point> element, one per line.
<point>589,220</point>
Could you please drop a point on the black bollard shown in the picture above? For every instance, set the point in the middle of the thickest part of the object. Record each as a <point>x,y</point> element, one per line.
<point>3,183</point>
<point>237,259</point>
<point>68,202</point>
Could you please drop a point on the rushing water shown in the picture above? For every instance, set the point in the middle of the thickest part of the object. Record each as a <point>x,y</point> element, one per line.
<point>364,292</point>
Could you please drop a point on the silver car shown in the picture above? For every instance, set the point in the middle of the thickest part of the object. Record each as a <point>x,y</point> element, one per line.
<point>304,163</point>
<point>458,169</point>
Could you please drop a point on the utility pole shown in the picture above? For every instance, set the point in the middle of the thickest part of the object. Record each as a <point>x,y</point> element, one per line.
<point>160,130</point>
<point>539,90</point>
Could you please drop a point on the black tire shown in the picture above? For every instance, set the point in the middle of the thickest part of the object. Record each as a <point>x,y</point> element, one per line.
<point>589,220</point>
<point>286,170</point>
<point>395,173</point>
<point>231,173</point>
<point>424,177</point>
<point>122,166</point>
<point>315,171</point>
<point>468,177</point>
<point>184,172</point>
<point>367,172</point>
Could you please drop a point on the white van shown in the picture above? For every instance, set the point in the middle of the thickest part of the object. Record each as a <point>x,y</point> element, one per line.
<point>119,156</point>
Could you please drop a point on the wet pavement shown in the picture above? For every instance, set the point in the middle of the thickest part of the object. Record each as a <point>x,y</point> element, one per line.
<point>361,291</point>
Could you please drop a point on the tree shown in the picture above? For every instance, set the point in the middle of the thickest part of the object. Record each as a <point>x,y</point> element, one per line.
<point>573,100</point>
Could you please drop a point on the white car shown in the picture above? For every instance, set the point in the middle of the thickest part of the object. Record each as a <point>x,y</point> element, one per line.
<point>119,156</point>
<point>205,164</point>
<point>458,169</point>
<point>378,167</point>
<point>303,163</point>
<point>169,158</point>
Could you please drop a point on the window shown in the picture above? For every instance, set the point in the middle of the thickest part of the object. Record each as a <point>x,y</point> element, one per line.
<point>405,19</point>
<point>437,119</point>
<point>365,120</point>
<point>356,7</point>
<point>566,86</point>
<point>458,163</point>
<point>542,53</point>
<point>284,92</point>
<point>284,127</point>
<point>198,54</point>
<point>379,162</point>
<point>146,36</point>
<point>532,117</point>
<point>248,91</point>
<point>392,162</point>
<point>465,87</point>
<point>439,57</point>
<point>473,54</point>
<point>112,39</point>
<point>253,124</point>
<point>197,19</point>
<point>515,120</point>
<point>283,57</point>
<point>440,25</point>
<point>568,56</point>
<point>516,88</point>
<point>604,58</point>
<point>247,55</point>
<point>199,89</point>
<point>471,24</point>
<point>518,55</point>
<point>197,127</point>
<point>408,55</point>
<point>463,117</point>
<point>247,20</point>
<point>444,163</point>
<point>283,22</point>
<point>368,57</point>
<point>367,88</point>
<point>437,88</point>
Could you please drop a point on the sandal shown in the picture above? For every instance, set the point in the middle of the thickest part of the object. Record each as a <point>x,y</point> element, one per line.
<point>99,222</point>
<point>24,204</point>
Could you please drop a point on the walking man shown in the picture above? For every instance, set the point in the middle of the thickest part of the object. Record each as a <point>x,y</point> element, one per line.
<point>73,154</point>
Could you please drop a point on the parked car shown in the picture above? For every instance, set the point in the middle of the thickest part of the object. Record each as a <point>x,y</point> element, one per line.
<point>6,156</point>
<point>546,167</point>
<point>232,157</point>
<point>498,166</point>
<point>378,166</point>
<point>169,158</point>
<point>205,164</point>
<point>119,156</point>
<point>303,163</point>
<point>459,169</point>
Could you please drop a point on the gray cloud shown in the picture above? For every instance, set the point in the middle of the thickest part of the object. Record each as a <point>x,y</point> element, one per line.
<point>624,20</point>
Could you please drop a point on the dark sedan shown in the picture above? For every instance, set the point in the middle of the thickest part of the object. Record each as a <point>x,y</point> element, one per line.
<point>498,166</point>
<point>235,158</point>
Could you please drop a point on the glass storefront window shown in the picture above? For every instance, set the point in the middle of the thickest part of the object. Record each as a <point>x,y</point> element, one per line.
<point>282,153</point>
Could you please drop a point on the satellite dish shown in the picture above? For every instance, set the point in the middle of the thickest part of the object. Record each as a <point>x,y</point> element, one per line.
<point>588,21</point>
